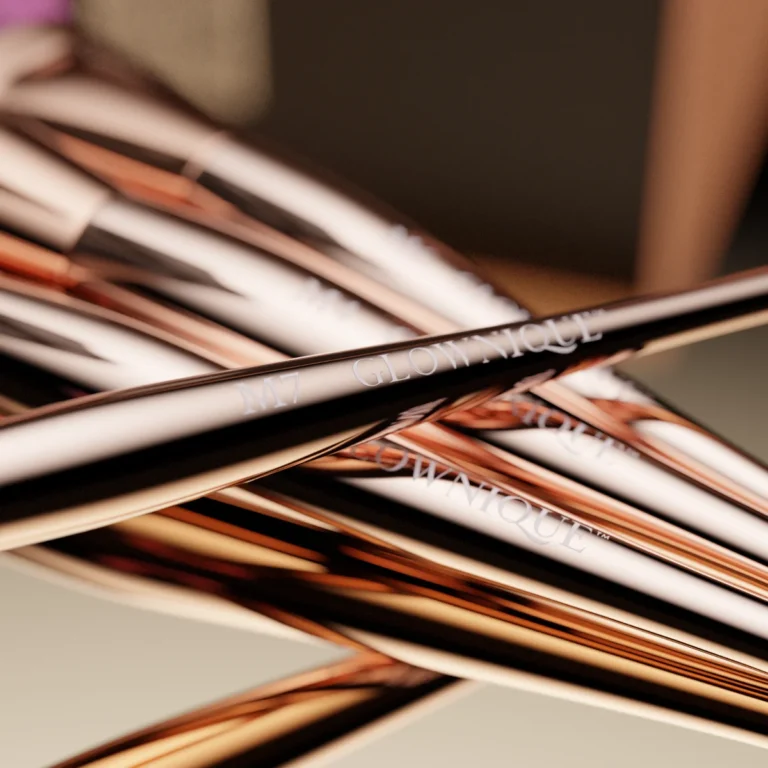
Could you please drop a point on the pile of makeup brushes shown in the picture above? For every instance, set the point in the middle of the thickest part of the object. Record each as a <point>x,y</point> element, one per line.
<point>196,421</point>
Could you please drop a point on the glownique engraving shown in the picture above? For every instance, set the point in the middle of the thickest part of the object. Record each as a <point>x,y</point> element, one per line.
<point>538,524</point>
<point>569,429</point>
<point>498,344</point>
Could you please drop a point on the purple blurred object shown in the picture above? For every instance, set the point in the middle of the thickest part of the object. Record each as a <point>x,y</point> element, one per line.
<point>33,11</point>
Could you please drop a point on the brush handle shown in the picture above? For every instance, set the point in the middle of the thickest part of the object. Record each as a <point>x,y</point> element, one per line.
<point>108,457</point>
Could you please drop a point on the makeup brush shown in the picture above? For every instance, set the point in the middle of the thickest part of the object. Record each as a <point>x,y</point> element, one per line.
<point>46,199</point>
<point>74,346</point>
<point>193,542</point>
<point>241,537</point>
<point>379,690</point>
<point>156,358</point>
<point>178,260</point>
<point>121,352</point>
<point>248,289</point>
<point>183,157</point>
<point>290,534</point>
<point>171,546</point>
<point>474,461</point>
<point>107,457</point>
<point>360,593</point>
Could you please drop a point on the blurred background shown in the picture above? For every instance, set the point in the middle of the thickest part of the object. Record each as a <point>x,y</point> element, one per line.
<point>623,140</point>
<point>583,151</point>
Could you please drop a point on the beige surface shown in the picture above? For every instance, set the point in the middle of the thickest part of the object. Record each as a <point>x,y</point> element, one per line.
<point>76,671</point>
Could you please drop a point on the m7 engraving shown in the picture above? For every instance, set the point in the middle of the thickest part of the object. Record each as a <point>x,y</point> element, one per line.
<point>270,392</point>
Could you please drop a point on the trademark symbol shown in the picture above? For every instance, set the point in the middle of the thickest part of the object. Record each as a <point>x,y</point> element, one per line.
<point>603,535</point>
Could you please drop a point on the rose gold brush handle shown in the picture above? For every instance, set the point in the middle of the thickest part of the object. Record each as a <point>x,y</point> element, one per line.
<point>578,453</point>
<point>362,594</point>
<point>249,290</point>
<point>66,111</point>
<point>218,517</point>
<point>318,405</point>
<point>228,347</point>
<point>270,535</point>
<point>172,547</point>
<point>688,586</point>
<point>410,686</point>
<point>144,356</point>
<point>544,488</point>
<point>309,718</point>
<point>73,345</point>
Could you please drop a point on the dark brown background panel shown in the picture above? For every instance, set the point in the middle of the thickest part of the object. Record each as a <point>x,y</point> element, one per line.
<point>513,128</point>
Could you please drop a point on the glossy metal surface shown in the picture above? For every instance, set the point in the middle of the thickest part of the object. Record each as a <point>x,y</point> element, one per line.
<point>573,449</point>
<point>183,157</point>
<point>150,147</point>
<point>112,456</point>
<point>719,520</point>
<point>109,223</point>
<point>360,592</point>
<point>425,508</point>
<point>93,559</point>
<point>22,258</point>
<point>75,342</point>
<point>492,493</point>
<point>311,716</point>
<point>186,265</point>
<point>670,522</point>
<point>633,478</point>
<point>47,200</point>
<point>500,472</point>
<point>206,549</point>
<point>497,418</point>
